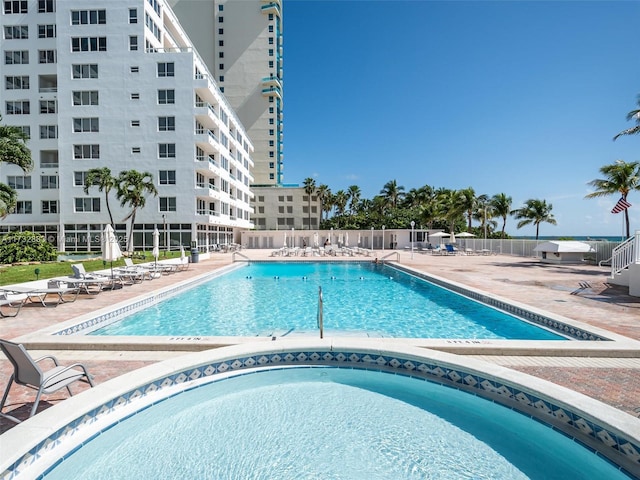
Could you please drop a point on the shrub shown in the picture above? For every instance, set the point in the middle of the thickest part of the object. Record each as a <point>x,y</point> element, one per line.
<point>25,247</point>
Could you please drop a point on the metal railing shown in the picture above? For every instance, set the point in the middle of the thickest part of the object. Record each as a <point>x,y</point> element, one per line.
<point>397,254</point>
<point>623,256</point>
<point>320,313</point>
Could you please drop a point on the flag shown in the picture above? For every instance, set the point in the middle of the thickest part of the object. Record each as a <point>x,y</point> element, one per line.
<point>621,206</point>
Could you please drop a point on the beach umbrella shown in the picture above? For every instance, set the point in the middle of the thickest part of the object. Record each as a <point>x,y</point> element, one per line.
<point>439,235</point>
<point>346,239</point>
<point>156,244</point>
<point>465,234</point>
<point>359,239</point>
<point>284,242</point>
<point>452,238</point>
<point>182,256</point>
<point>110,248</point>
<point>316,243</point>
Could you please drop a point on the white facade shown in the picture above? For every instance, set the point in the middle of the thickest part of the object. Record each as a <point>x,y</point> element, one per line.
<point>118,84</point>
<point>241,43</point>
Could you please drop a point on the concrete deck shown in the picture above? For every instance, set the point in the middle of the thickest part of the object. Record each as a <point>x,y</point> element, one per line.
<point>579,292</point>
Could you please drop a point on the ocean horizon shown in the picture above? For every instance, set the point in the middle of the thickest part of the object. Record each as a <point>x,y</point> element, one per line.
<point>617,238</point>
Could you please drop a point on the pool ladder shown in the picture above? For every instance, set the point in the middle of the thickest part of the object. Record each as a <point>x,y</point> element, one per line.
<point>320,312</point>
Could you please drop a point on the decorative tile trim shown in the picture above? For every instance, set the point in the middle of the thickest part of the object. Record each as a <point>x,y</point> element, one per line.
<point>100,321</point>
<point>590,434</point>
<point>536,318</point>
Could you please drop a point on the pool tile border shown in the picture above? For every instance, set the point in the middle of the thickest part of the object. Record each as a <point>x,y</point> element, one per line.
<point>621,451</point>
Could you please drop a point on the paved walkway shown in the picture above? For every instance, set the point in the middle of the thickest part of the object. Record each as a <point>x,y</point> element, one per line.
<point>580,292</point>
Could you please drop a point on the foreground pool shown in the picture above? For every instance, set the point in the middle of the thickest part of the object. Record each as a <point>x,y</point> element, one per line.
<point>281,299</point>
<point>327,422</point>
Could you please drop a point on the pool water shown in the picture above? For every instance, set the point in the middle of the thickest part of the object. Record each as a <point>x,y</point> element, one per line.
<point>330,423</point>
<point>280,299</point>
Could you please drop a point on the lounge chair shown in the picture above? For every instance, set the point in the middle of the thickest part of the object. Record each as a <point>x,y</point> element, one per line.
<point>89,283</point>
<point>451,250</point>
<point>13,301</point>
<point>28,373</point>
<point>55,288</point>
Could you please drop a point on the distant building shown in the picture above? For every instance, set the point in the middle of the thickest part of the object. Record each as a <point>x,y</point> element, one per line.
<point>285,208</point>
<point>119,84</point>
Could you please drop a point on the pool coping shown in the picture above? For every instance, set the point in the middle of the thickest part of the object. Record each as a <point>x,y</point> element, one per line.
<point>40,441</point>
<point>65,335</point>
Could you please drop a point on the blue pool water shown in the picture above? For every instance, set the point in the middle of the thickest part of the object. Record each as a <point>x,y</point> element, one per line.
<point>330,423</point>
<point>279,299</point>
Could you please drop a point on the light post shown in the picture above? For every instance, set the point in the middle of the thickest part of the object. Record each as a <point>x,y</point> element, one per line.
<point>331,236</point>
<point>484,246</point>
<point>293,239</point>
<point>164,228</point>
<point>413,224</point>
<point>382,239</point>
<point>371,239</point>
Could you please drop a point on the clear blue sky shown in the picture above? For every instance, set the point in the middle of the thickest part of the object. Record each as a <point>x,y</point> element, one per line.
<point>512,97</point>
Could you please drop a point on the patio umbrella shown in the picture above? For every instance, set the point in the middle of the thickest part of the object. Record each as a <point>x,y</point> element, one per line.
<point>316,243</point>
<point>156,244</point>
<point>359,239</point>
<point>110,248</point>
<point>439,235</point>
<point>452,238</point>
<point>346,239</point>
<point>284,243</point>
<point>182,257</point>
<point>465,234</point>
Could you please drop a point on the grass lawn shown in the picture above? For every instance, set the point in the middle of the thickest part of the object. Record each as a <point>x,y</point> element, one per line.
<point>26,273</point>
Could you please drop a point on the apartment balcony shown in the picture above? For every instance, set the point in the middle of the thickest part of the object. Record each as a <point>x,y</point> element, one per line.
<point>206,114</point>
<point>208,216</point>
<point>208,138</point>
<point>271,81</point>
<point>272,92</point>
<point>207,166</point>
<point>206,192</point>
<point>273,6</point>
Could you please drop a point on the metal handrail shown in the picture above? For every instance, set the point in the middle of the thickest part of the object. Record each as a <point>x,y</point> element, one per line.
<point>233,256</point>
<point>390,255</point>
<point>320,313</point>
<point>622,256</point>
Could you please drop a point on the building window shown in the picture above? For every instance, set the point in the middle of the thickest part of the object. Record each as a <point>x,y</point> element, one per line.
<point>135,123</point>
<point>89,97</point>
<point>166,69</point>
<point>135,150</point>
<point>271,52</point>
<point>18,107</point>
<point>48,131</point>
<point>23,207</point>
<point>91,124</point>
<point>48,182</point>
<point>88,44</point>
<point>167,150</point>
<point>79,178</point>
<point>270,64</point>
<point>89,17</point>
<point>271,131</point>
<point>134,69</point>
<point>16,32</point>
<point>168,204</point>
<point>221,78</point>
<point>133,15</point>
<point>221,66</point>
<point>133,43</point>
<point>220,54</point>
<point>48,159</point>
<point>220,8</point>
<point>46,56</point>
<point>270,40</point>
<point>135,96</point>
<point>271,16</point>
<point>16,57</point>
<point>221,43</point>
<point>167,177</point>
<point>166,97</point>
<point>87,204</point>
<point>49,206</point>
<point>46,31</point>
<point>270,28</point>
<point>85,71</point>
<point>48,106</point>
<point>166,124</point>
<point>271,176</point>
<point>15,6</point>
<point>220,19</point>
<point>46,6</point>
<point>81,152</point>
<point>19,182</point>
<point>272,165</point>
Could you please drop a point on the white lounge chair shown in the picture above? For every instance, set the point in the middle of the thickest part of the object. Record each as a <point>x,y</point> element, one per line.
<point>55,288</point>
<point>13,301</point>
<point>28,373</point>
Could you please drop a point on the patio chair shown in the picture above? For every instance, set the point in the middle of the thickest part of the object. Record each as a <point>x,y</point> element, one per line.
<point>14,301</point>
<point>27,372</point>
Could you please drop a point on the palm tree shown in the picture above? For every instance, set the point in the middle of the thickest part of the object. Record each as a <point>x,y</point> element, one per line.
<point>392,193</point>
<point>632,115</point>
<point>620,178</point>
<point>133,188</point>
<point>501,206</point>
<point>451,207</point>
<point>101,178</point>
<point>8,199</point>
<point>534,212</point>
<point>469,204</point>
<point>309,187</point>
<point>340,200</point>
<point>13,150</point>
<point>13,147</point>
<point>324,195</point>
<point>354,194</point>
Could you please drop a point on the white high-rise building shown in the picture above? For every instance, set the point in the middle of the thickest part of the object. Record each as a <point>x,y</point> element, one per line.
<point>241,43</point>
<point>118,84</point>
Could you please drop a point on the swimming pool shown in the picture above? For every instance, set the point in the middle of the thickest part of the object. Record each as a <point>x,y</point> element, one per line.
<point>281,299</point>
<point>329,422</point>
